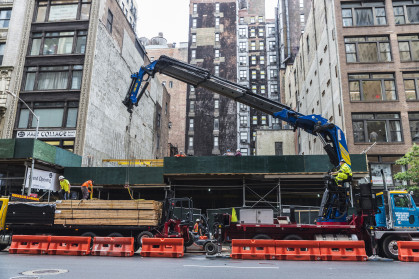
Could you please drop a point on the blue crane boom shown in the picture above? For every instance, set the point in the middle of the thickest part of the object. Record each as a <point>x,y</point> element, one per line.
<point>331,136</point>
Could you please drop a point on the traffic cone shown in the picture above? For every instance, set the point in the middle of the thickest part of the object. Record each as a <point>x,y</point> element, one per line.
<point>233,216</point>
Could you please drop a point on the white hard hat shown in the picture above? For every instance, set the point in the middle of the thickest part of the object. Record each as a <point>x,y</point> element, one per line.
<point>61,177</point>
<point>198,220</point>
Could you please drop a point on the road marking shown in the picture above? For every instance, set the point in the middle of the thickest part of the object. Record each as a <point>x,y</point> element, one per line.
<point>226,266</point>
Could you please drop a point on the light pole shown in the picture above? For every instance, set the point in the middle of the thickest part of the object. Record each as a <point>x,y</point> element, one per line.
<point>36,137</point>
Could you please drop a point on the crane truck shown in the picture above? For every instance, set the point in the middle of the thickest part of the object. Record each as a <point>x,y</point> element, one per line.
<point>378,219</point>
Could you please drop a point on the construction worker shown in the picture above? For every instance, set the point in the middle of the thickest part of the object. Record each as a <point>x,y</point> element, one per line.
<point>180,154</point>
<point>238,153</point>
<point>85,189</point>
<point>65,187</point>
<point>343,174</point>
<point>197,228</point>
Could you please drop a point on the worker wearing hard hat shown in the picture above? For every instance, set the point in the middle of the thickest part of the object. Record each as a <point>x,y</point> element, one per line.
<point>343,174</point>
<point>65,187</point>
<point>85,189</point>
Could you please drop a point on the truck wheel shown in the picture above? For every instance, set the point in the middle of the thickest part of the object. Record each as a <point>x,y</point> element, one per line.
<point>390,247</point>
<point>142,235</point>
<point>292,237</point>
<point>3,246</point>
<point>262,236</point>
<point>115,234</point>
<point>211,248</point>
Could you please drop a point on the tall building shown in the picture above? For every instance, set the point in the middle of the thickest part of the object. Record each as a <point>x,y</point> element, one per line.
<point>358,66</point>
<point>156,47</point>
<point>211,125</point>
<point>129,8</point>
<point>11,26</point>
<point>73,70</point>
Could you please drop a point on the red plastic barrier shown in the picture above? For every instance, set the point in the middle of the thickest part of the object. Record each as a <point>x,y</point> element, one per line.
<point>113,246</point>
<point>29,244</point>
<point>249,249</point>
<point>162,247</point>
<point>69,245</point>
<point>297,250</point>
<point>408,251</point>
<point>342,251</point>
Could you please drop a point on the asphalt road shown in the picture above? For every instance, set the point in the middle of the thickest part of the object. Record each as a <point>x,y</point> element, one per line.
<point>194,266</point>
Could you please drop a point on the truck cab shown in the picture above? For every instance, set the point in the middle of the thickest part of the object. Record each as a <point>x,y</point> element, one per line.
<point>403,210</point>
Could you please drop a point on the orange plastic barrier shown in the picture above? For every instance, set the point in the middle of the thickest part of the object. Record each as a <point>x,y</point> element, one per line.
<point>69,245</point>
<point>297,250</point>
<point>342,251</point>
<point>29,244</point>
<point>162,247</point>
<point>113,246</point>
<point>408,251</point>
<point>249,249</point>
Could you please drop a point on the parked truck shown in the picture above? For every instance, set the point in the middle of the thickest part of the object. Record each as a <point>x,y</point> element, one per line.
<point>134,218</point>
<point>379,219</point>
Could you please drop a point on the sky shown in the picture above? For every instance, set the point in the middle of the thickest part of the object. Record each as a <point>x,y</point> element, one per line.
<point>171,17</point>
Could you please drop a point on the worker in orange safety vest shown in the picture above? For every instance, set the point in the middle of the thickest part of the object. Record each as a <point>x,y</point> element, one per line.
<point>85,189</point>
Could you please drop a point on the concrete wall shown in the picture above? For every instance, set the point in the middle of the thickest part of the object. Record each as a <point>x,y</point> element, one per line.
<point>265,142</point>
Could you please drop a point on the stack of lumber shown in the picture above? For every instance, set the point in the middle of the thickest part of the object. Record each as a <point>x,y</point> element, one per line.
<point>108,212</point>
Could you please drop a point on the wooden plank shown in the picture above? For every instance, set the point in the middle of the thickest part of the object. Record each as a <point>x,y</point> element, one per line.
<point>104,222</point>
<point>102,214</point>
<point>101,204</point>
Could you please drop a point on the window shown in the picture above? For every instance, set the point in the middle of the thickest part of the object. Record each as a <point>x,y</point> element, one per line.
<point>216,70</point>
<point>242,32</point>
<point>190,142</point>
<point>272,59</point>
<point>57,43</point>
<point>216,124</point>
<point>367,49</point>
<point>158,119</point>
<point>308,43</point>
<point>254,136</point>
<point>242,60</point>
<point>372,87</point>
<point>254,89</point>
<point>217,53</point>
<point>109,21</point>
<point>51,115</point>
<point>191,106</point>
<point>254,120</point>
<point>242,46</point>
<point>170,84</point>
<point>217,37</point>
<point>254,75</point>
<point>262,89</point>
<point>252,19</point>
<point>241,20</point>
<point>409,47</point>
<point>377,127</point>
<point>406,12</point>
<point>191,122</point>
<point>243,74</point>
<point>193,38</point>
<point>402,201</point>
<point>274,88</point>
<point>262,74</point>
<point>252,32</point>
<point>5,18</point>
<point>302,20</point>
<point>243,121</point>
<point>244,151</point>
<point>261,45</point>
<point>272,45</point>
<point>195,8</point>
<point>215,141</point>
<point>194,23</point>
<point>2,45</point>
<point>53,78</point>
<point>411,85</point>
<point>260,19</point>
<point>253,45</point>
<point>217,22</point>
<point>55,10</point>
<point>193,54</point>
<point>414,125</point>
<point>273,73</point>
<point>216,104</point>
<point>243,107</point>
<point>243,137</point>
<point>263,120</point>
<point>253,60</point>
<point>271,32</point>
<point>363,13</point>
<point>262,60</point>
<point>217,7</point>
<point>278,148</point>
<point>261,32</point>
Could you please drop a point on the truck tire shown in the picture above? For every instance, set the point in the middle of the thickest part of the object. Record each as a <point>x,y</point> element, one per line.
<point>190,241</point>
<point>142,235</point>
<point>211,248</point>
<point>293,237</point>
<point>262,236</point>
<point>115,234</point>
<point>390,248</point>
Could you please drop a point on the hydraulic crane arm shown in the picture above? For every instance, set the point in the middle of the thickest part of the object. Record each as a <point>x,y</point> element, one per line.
<point>331,136</point>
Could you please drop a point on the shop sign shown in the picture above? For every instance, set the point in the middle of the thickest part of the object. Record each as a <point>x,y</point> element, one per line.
<point>47,134</point>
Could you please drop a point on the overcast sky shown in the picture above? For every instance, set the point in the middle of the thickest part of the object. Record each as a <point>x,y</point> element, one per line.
<point>171,17</point>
